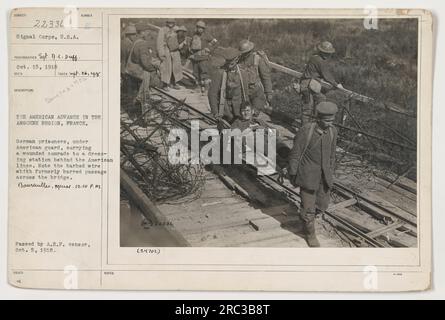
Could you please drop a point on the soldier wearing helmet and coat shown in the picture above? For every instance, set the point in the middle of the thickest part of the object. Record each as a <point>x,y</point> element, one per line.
<point>168,52</point>
<point>130,36</point>
<point>225,91</point>
<point>317,70</point>
<point>258,88</point>
<point>201,45</point>
<point>142,66</point>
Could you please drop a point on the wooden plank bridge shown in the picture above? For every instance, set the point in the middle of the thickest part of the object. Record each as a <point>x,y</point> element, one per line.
<point>237,208</point>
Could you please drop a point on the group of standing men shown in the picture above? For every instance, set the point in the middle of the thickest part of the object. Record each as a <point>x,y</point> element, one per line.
<point>240,90</point>
<point>156,60</point>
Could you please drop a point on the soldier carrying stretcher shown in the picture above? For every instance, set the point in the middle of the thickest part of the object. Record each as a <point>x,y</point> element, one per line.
<point>318,69</point>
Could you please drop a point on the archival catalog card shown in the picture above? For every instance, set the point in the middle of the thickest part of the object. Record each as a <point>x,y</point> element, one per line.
<point>218,149</point>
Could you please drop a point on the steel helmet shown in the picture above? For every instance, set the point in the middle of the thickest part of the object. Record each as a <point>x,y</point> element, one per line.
<point>201,24</point>
<point>181,28</point>
<point>246,46</point>
<point>326,47</point>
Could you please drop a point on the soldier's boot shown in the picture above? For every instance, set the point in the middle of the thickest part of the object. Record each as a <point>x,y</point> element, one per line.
<point>205,85</point>
<point>176,86</point>
<point>165,86</point>
<point>309,229</point>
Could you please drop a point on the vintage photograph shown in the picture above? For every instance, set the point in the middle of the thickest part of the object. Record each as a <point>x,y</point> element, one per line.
<point>269,133</point>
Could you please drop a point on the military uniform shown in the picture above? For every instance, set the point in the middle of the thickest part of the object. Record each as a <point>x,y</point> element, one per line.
<point>143,65</point>
<point>317,70</point>
<point>184,42</point>
<point>259,83</point>
<point>126,45</point>
<point>225,93</point>
<point>168,51</point>
<point>200,48</point>
<point>311,165</point>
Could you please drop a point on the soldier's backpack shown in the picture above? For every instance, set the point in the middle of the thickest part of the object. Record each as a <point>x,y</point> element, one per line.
<point>131,68</point>
<point>257,56</point>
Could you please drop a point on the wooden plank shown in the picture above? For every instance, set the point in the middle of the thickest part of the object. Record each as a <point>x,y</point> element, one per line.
<point>265,224</point>
<point>285,70</point>
<point>148,209</point>
<point>395,188</point>
<point>396,211</point>
<point>229,182</point>
<point>194,228</point>
<point>377,206</point>
<point>213,201</point>
<point>382,231</point>
<point>223,192</point>
<point>216,186</point>
<point>398,200</point>
<point>253,237</point>
<point>366,225</point>
<point>402,182</point>
<point>196,210</point>
<point>220,236</point>
<point>367,207</point>
<point>343,204</point>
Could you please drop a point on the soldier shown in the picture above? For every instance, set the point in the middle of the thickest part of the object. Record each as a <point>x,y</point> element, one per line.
<point>184,42</point>
<point>317,70</point>
<point>168,51</point>
<point>126,44</point>
<point>142,64</point>
<point>247,120</point>
<point>225,92</point>
<point>258,82</point>
<point>201,46</point>
<point>311,166</point>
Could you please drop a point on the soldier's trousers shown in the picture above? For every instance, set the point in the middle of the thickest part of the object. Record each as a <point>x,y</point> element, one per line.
<point>232,109</point>
<point>148,79</point>
<point>314,199</point>
<point>200,70</point>
<point>144,87</point>
<point>257,99</point>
